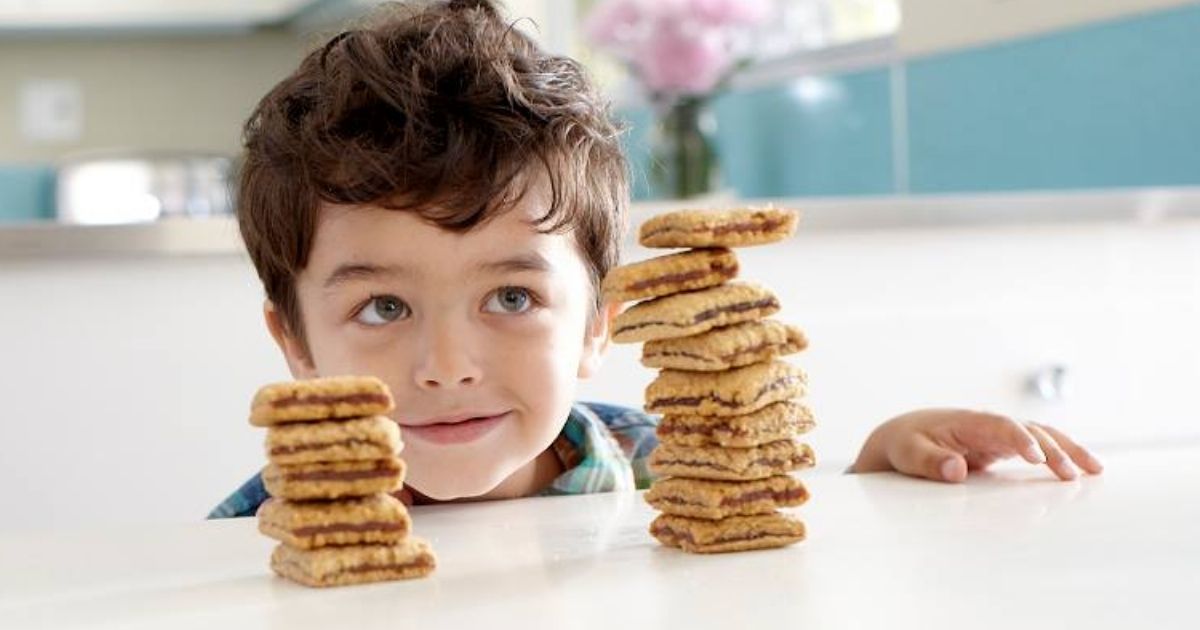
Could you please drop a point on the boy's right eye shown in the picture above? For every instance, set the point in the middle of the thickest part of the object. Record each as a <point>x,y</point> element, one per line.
<point>382,309</point>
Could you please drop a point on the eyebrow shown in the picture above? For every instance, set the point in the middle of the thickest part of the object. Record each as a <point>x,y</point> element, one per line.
<point>347,272</point>
<point>528,261</point>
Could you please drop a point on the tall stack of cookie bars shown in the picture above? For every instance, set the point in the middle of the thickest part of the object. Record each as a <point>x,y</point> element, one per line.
<point>333,460</point>
<point>730,416</point>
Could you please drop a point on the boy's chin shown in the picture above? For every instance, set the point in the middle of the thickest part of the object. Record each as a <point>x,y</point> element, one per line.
<point>460,487</point>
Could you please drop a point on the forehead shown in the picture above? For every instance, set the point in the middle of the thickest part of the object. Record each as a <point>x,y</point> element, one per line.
<point>372,235</point>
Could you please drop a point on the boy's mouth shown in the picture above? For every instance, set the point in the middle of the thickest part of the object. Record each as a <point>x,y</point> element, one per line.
<point>452,429</point>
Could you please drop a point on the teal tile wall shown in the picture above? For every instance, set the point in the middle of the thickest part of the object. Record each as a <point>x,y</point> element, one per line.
<point>1109,105</point>
<point>26,192</point>
<point>828,135</point>
<point>825,135</point>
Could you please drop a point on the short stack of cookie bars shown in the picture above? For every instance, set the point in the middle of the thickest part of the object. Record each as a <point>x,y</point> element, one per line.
<point>333,460</point>
<point>730,411</point>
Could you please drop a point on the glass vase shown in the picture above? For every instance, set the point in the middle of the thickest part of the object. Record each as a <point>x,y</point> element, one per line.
<point>683,155</point>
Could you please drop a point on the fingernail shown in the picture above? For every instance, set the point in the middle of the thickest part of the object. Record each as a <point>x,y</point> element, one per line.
<point>1035,454</point>
<point>950,470</point>
<point>1071,471</point>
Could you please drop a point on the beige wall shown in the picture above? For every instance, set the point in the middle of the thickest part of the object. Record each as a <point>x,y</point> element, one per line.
<point>184,92</point>
<point>934,25</point>
<point>181,92</point>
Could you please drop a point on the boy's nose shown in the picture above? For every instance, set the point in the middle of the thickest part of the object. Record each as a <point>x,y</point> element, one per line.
<point>447,362</point>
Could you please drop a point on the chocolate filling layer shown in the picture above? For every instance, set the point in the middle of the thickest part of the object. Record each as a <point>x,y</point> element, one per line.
<point>773,463</point>
<point>680,353</point>
<point>745,226</point>
<point>343,399</point>
<point>707,430</point>
<point>419,563</point>
<point>750,497</point>
<point>667,531</point>
<point>300,448</point>
<point>706,315</point>
<point>676,277</point>
<point>345,528</point>
<point>740,500</point>
<point>379,471</point>
<point>694,401</point>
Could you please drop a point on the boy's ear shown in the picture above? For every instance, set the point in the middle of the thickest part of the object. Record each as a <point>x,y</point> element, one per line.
<point>597,338</point>
<point>293,349</point>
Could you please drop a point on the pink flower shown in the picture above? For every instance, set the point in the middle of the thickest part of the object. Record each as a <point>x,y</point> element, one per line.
<point>676,47</point>
<point>613,23</point>
<point>729,12</point>
<point>675,61</point>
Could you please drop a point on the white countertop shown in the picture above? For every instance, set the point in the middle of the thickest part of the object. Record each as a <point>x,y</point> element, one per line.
<point>219,235</point>
<point>1012,549</point>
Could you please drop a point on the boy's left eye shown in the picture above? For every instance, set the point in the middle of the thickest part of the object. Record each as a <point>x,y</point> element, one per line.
<point>509,300</point>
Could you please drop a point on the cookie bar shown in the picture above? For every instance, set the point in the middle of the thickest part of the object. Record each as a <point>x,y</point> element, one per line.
<point>719,228</point>
<point>667,275</point>
<point>731,464</point>
<point>776,421</point>
<point>714,500</point>
<point>373,437</point>
<point>692,313</point>
<point>379,518</point>
<point>320,399</point>
<point>357,564</point>
<point>332,480</point>
<point>731,393</point>
<point>736,533</point>
<point>726,348</point>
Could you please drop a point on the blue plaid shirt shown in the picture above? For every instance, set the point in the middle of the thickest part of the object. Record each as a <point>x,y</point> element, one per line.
<point>602,448</point>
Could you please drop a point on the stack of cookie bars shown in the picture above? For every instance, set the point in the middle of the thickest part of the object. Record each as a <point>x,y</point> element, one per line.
<point>333,460</point>
<point>730,416</point>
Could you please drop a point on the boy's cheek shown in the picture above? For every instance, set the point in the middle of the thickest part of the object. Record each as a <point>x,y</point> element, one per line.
<point>350,352</point>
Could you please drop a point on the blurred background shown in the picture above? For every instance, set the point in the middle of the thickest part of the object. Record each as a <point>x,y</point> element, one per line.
<point>1000,197</point>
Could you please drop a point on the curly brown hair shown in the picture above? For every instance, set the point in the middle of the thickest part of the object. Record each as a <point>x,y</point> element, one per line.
<point>438,109</point>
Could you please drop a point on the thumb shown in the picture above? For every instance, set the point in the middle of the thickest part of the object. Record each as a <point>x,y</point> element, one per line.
<point>920,456</point>
<point>405,495</point>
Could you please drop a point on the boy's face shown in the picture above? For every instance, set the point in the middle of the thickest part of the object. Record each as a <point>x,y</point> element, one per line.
<point>481,336</point>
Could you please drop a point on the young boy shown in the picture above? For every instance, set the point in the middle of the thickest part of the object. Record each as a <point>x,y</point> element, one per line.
<point>433,200</point>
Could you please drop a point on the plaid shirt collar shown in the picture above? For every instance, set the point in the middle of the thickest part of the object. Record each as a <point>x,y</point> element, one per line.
<point>591,457</point>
